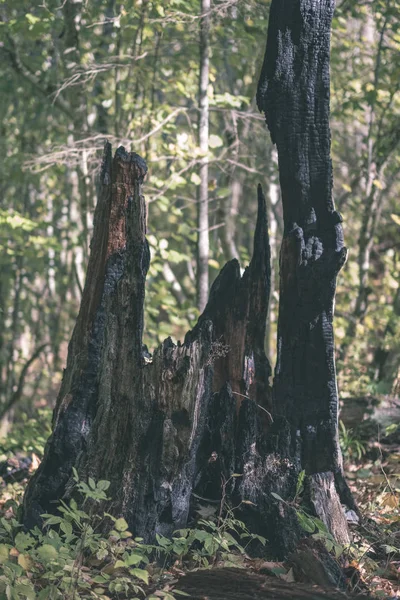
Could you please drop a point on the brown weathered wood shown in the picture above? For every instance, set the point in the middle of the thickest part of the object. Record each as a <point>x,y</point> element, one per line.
<point>312,562</point>
<point>240,584</point>
<point>107,333</point>
<point>326,504</point>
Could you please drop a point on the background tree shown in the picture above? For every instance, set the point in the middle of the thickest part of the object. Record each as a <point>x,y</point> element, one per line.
<point>203,242</point>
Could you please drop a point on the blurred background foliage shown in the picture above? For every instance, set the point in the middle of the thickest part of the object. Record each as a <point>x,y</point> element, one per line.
<point>75,72</point>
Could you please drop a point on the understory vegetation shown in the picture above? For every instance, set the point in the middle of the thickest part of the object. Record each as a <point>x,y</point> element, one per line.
<point>71,559</point>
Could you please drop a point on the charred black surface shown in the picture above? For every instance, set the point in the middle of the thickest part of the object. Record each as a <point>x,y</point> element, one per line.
<point>80,400</point>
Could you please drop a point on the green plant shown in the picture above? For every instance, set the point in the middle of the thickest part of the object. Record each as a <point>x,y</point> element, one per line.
<point>390,429</point>
<point>28,434</point>
<point>218,538</point>
<point>71,558</point>
<point>210,542</point>
<point>351,446</point>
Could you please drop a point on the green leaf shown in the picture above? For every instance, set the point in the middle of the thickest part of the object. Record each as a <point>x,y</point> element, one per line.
<point>16,220</point>
<point>277,496</point>
<point>26,590</point>
<point>133,559</point>
<point>278,571</point>
<point>194,178</point>
<point>47,553</point>
<point>201,535</point>
<point>25,561</point>
<point>32,19</point>
<point>53,520</point>
<point>23,541</point>
<point>300,482</point>
<point>121,524</point>
<point>120,564</point>
<point>306,522</point>
<point>338,549</point>
<point>4,552</point>
<point>103,485</point>
<point>260,538</point>
<point>213,263</point>
<point>321,526</point>
<point>125,535</point>
<point>141,574</point>
<point>214,141</point>
<point>100,579</point>
<point>66,527</point>
<point>394,426</point>
<point>395,218</point>
<point>162,541</point>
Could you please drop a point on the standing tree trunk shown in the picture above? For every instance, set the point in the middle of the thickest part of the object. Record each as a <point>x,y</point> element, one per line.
<point>293,92</point>
<point>203,243</point>
<point>165,431</point>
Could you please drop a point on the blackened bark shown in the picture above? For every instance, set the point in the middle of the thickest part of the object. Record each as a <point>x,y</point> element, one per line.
<point>293,93</point>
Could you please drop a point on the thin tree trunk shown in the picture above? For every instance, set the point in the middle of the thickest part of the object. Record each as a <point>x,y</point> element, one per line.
<point>203,222</point>
<point>275,228</point>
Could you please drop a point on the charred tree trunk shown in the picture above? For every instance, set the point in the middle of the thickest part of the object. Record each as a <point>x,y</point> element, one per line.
<point>165,431</point>
<point>293,92</point>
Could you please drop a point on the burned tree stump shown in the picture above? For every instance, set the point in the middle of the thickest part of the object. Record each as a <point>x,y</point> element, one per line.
<point>166,431</point>
<point>163,429</point>
<point>149,426</point>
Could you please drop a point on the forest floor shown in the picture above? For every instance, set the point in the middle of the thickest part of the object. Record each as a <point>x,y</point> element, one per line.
<point>371,564</point>
<point>373,472</point>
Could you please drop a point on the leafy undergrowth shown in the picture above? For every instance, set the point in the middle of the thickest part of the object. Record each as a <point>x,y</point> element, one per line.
<point>372,467</point>
<point>71,559</point>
